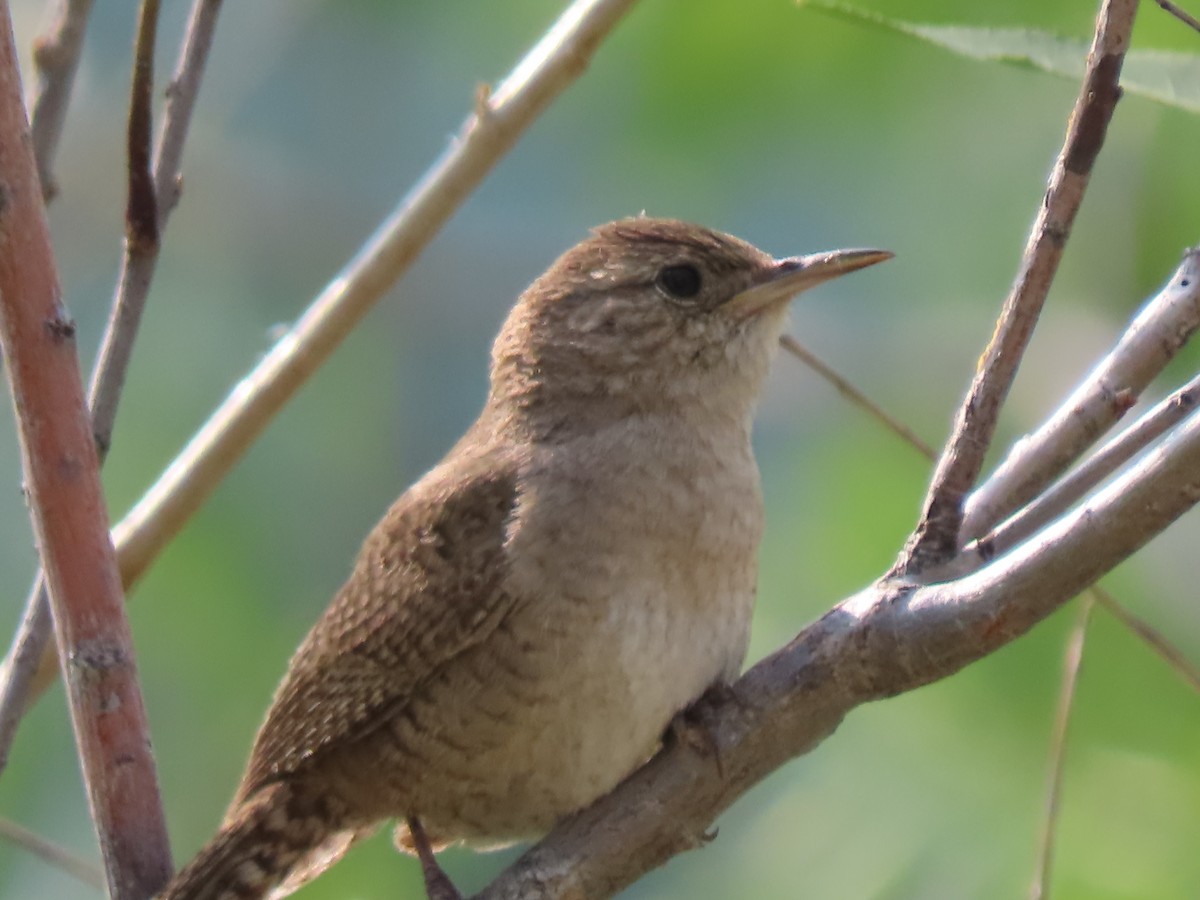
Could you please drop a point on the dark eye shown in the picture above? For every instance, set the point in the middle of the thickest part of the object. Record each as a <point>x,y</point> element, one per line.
<point>681,282</point>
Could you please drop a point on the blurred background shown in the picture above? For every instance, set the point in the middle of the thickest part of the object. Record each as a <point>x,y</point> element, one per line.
<point>792,130</point>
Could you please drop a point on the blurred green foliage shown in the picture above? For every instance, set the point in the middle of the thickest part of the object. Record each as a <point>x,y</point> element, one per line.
<point>793,130</point>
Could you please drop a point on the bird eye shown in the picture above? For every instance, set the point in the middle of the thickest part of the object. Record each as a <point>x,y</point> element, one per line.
<point>679,282</point>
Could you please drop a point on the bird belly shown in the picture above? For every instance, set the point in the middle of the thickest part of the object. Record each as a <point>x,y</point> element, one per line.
<point>620,625</point>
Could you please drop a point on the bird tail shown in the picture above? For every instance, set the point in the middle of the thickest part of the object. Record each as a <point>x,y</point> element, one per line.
<point>276,840</point>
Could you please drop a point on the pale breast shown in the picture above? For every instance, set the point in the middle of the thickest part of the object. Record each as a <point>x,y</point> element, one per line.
<point>637,577</point>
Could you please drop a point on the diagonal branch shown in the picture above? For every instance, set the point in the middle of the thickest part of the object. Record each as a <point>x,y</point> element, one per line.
<point>890,638</point>
<point>855,396</point>
<point>70,519</point>
<point>552,65</point>
<point>936,538</point>
<point>1124,447</point>
<point>559,58</point>
<point>51,853</point>
<point>1181,14</point>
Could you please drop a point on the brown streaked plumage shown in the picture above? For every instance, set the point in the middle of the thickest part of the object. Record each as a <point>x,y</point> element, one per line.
<point>524,622</point>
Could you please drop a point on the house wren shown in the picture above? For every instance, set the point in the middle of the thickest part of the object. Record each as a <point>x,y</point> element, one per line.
<point>525,621</point>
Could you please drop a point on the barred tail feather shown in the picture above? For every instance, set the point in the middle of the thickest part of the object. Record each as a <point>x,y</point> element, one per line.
<point>270,845</point>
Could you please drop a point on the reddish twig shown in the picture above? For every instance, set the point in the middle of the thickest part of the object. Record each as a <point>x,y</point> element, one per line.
<point>28,663</point>
<point>70,519</point>
<point>936,538</point>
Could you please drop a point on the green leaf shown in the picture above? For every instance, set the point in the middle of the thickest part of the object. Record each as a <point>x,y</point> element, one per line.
<point>1166,76</point>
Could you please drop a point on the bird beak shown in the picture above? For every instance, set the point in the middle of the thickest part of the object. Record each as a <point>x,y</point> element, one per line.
<point>785,278</point>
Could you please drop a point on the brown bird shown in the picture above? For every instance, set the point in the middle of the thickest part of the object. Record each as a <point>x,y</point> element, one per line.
<point>525,621</point>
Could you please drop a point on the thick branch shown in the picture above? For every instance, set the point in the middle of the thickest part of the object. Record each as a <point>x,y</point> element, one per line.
<point>890,638</point>
<point>936,538</point>
<point>70,520</point>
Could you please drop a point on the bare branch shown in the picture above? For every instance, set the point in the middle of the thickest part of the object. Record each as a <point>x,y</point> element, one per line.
<point>70,520</point>
<point>56,55</point>
<point>27,660</point>
<point>1055,501</point>
<point>181,100</point>
<point>23,660</point>
<point>890,638</point>
<point>1153,338</point>
<point>1181,14</point>
<point>1072,659</point>
<point>53,854</point>
<point>936,538</point>
<point>855,396</point>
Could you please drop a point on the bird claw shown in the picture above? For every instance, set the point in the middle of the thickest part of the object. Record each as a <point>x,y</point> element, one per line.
<point>695,726</point>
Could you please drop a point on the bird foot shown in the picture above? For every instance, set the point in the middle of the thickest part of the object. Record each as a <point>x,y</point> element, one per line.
<point>696,726</point>
<point>438,885</point>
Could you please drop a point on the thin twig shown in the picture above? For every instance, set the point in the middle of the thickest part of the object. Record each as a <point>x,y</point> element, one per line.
<point>1072,660</point>
<point>1100,465</point>
<point>141,208</point>
<point>56,56</point>
<point>1182,15</point>
<point>551,66</point>
<point>855,396</point>
<point>181,100</point>
<point>1184,668</point>
<point>23,660</point>
<point>70,521</point>
<point>57,856</point>
<point>28,662</point>
<point>936,538</point>
<point>1157,333</point>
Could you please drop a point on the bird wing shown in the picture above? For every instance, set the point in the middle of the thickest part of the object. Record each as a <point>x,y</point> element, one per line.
<point>427,585</point>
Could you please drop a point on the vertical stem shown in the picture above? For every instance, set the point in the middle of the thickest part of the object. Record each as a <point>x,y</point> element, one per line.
<point>70,520</point>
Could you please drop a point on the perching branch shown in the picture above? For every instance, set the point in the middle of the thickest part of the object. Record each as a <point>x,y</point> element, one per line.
<point>70,520</point>
<point>890,638</point>
<point>937,536</point>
